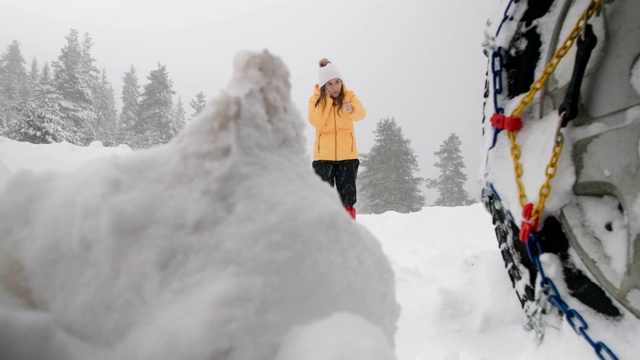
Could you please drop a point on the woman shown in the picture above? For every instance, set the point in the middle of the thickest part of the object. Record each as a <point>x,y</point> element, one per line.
<point>332,111</point>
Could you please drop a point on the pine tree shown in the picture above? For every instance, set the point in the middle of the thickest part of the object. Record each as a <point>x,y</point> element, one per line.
<point>179,116</point>
<point>155,122</point>
<point>105,109</point>
<point>41,121</point>
<point>387,181</point>
<point>90,76</point>
<point>30,84</point>
<point>130,106</point>
<point>45,83</point>
<point>13,78</point>
<point>450,183</point>
<point>75,80</point>
<point>198,104</point>
<point>34,75</point>
<point>12,72</point>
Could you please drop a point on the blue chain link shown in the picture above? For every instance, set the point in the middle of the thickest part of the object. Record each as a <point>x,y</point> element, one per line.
<point>534,249</point>
<point>496,69</point>
<point>506,15</point>
<point>497,61</point>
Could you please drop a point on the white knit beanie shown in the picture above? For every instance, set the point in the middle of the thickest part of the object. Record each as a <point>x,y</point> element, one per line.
<point>327,72</point>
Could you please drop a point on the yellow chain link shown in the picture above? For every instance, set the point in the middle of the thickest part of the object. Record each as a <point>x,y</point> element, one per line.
<point>515,155</point>
<point>526,100</point>
<point>550,171</point>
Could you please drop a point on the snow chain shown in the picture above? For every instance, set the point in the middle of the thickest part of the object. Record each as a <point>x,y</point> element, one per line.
<point>531,213</point>
<point>526,100</point>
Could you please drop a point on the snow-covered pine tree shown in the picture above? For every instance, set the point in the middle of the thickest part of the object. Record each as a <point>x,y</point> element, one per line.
<point>179,115</point>
<point>198,104</point>
<point>45,86</point>
<point>41,119</point>
<point>12,81</point>
<point>450,183</point>
<point>130,106</point>
<point>75,79</point>
<point>387,181</point>
<point>34,74</point>
<point>155,122</point>
<point>31,83</point>
<point>105,109</point>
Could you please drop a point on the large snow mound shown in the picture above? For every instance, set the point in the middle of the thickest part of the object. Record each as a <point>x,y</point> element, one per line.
<point>218,245</point>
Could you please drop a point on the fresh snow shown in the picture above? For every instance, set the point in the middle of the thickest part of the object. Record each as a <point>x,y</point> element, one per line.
<point>223,244</point>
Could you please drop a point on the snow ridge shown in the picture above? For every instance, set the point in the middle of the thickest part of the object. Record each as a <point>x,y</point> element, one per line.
<point>215,246</point>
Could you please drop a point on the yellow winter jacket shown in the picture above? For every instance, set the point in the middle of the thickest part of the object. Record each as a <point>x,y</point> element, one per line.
<point>335,139</point>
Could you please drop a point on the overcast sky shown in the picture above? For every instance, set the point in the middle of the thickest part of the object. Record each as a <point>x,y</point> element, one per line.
<point>420,61</point>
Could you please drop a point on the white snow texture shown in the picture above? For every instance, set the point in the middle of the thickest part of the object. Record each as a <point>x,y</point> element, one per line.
<point>219,245</point>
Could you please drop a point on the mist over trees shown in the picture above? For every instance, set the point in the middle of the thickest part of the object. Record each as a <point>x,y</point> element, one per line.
<point>155,118</point>
<point>13,78</point>
<point>72,100</point>
<point>130,105</point>
<point>387,180</point>
<point>198,103</point>
<point>105,111</point>
<point>450,183</point>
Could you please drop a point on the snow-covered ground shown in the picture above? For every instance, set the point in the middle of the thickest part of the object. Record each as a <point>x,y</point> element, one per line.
<point>456,298</point>
<point>284,272</point>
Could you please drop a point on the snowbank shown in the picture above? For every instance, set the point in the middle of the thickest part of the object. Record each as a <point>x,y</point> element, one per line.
<point>217,246</point>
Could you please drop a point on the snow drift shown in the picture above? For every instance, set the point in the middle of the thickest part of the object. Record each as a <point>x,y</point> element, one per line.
<point>219,245</point>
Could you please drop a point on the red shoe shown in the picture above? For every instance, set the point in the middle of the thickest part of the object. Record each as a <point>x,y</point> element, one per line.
<point>352,211</point>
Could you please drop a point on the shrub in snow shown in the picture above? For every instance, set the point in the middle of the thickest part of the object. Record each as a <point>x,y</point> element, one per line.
<point>214,246</point>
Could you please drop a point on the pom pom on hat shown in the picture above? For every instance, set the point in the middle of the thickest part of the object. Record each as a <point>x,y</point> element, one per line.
<point>327,72</point>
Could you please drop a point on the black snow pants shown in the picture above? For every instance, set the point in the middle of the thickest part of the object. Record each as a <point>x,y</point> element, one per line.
<point>341,175</point>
